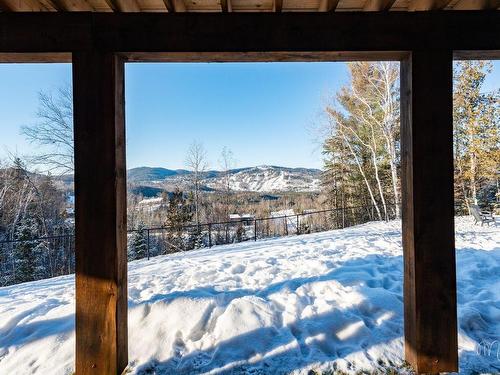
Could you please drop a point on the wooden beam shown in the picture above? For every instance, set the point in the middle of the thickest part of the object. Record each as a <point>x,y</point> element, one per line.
<point>277,6</point>
<point>19,58</point>
<point>249,32</point>
<point>101,238</point>
<point>378,5</point>
<point>169,4</point>
<point>226,6</point>
<point>260,56</point>
<point>124,5</point>
<point>430,308</point>
<point>175,6</point>
<point>327,5</point>
<point>424,5</point>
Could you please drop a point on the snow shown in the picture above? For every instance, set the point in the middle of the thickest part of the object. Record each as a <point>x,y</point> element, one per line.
<point>319,301</point>
<point>270,179</point>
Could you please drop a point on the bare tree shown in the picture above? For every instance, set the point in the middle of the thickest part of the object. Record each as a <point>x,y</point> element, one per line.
<point>53,132</point>
<point>196,162</point>
<point>226,163</point>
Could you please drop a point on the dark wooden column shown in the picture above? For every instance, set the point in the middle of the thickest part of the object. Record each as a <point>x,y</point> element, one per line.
<point>428,214</point>
<point>100,186</point>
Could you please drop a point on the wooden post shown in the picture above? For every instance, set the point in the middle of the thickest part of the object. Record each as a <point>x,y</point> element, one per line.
<point>100,187</point>
<point>428,213</point>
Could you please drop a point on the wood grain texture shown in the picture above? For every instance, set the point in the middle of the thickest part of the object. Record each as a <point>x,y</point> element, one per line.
<point>423,5</point>
<point>430,309</point>
<point>100,189</point>
<point>327,5</point>
<point>124,5</point>
<point>378,5</point>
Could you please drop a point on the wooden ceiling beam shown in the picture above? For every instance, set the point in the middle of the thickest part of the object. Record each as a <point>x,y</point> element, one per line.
<point>226,6</point>
<point>327,5</point>
<point>207,32</point>
<point>424,5</point>
<point>169,4</point>
<point>277,6</point>
<point>124,5</point>
<point>175,6</point>
<point>378,5</point>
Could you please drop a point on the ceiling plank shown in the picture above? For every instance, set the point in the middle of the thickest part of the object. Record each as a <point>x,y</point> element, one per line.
<point>278,6</point>
<point>74,5</point>
<point>423,5</point>
<point>22,6</point>
<point>328,5</point>
<point>477,5</point>
<point>378,5</point>
<point>124,5</point>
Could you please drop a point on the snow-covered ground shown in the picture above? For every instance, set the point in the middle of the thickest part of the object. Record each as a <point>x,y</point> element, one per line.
<point>319,301</point>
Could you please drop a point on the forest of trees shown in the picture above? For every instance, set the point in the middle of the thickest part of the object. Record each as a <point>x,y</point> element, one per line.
<point>362,146</point>
<point>31,206</point>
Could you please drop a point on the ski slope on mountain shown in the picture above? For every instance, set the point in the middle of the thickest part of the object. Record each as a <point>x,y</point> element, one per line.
<point>323,301</point>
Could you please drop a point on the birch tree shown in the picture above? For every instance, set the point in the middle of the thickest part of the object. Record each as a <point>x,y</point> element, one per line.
<point>196,162</point>
<point>364,119</point>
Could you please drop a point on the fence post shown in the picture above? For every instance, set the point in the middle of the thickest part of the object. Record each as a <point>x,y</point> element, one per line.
<point>255,229</point>
<point>148,245</point>
<point>209,234</point>
<point>286,227</point>
<point>298,224</point>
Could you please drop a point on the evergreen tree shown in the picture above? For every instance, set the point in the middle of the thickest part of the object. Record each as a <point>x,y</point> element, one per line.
<point>476,116</point>
<point>138,243</point>
<point>28,261</point>
<point>178,216</point>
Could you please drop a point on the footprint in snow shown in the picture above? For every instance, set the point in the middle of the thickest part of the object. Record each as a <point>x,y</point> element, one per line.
<point>240,268</point>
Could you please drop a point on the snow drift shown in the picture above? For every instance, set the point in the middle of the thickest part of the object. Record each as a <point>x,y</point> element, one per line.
<point>323,301</point>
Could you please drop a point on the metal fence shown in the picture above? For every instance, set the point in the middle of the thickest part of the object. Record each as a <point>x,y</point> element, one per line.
<point>57,250</point>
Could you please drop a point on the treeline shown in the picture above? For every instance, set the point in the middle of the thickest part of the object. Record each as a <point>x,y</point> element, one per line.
<point>31,206</point>
<point>362,143</point>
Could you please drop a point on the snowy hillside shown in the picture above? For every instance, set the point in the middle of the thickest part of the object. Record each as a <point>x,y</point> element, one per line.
<point>257,179</point>
<point>270,179</point>
<point>319,301</point>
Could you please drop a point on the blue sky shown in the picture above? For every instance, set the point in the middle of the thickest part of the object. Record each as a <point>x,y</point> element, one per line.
<point>263,112</point>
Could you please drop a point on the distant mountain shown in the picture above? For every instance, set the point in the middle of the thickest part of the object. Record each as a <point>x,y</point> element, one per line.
<point>263,179</point>
<point>149,174</point>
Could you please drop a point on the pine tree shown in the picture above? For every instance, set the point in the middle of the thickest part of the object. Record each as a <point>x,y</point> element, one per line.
<point>138,243</point>
<point>179,214</point>
<point>476,116</point>
<point>27,252</point>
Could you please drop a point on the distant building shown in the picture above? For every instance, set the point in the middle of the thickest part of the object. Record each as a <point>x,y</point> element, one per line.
<point>246,219</point>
